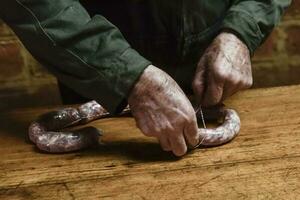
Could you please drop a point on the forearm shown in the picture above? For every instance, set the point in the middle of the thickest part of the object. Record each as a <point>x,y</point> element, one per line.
<point>252,21</point>
<point>87,54</point>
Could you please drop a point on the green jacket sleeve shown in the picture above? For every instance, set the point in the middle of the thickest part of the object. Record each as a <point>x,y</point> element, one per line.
<point>87,54</point>
<point>253,20</point>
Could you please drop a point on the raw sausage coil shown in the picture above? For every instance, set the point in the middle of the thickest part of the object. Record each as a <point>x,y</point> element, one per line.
<point>48,135</point>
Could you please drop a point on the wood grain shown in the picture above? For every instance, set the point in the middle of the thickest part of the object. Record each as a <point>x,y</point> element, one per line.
<point>263,162</point>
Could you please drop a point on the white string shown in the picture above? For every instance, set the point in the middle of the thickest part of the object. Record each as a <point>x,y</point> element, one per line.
<point>201,115</point>
<point>199,109</point>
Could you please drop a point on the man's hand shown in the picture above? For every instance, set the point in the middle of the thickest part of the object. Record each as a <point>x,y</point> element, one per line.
<point>162,110</point>
<point>224,69</point>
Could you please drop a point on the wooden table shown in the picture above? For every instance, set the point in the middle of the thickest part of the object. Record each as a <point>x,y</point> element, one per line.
<point>262,163</point>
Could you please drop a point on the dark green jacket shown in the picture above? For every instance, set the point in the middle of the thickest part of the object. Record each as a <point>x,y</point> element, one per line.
<point>89,54</point>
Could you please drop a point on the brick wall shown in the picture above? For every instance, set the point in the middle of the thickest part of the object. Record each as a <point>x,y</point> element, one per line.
<point>23,82</point>
<point>277,62</point>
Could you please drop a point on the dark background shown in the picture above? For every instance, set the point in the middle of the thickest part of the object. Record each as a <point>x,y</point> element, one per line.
<point>24,83</point>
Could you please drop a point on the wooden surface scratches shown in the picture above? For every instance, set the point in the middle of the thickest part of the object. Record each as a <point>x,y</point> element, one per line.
<point>263,162</point>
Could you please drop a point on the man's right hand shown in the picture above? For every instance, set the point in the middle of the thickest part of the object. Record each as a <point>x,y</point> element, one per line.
<point>162,110</point>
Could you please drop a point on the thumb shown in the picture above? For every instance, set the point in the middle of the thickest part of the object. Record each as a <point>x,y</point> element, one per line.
<point>199,82</point>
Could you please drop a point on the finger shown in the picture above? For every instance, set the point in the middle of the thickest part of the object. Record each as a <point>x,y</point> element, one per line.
<point>178,144</point>
<point>233,86</point>
<point>248,83</point>
<point>165,143</point>
<point>142,122</point>
<point>229,90</point>
<point>214,92</point>
<point>191,133</point>
<point>145,129</point>
<point>199,80</point>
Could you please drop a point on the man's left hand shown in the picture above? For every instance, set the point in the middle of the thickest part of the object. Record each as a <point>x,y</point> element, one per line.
<point>223,70</point>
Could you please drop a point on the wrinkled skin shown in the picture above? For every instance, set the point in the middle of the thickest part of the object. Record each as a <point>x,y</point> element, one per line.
<point>162,110</point>
<point>223,70</point>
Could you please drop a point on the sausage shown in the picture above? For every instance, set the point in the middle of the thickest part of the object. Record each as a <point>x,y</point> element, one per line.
<point>223,134</point>
<point>46,132</point>
<point>48,135</point>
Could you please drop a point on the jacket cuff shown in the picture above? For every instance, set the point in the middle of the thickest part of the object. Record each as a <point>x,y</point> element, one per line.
<point>128,68</point>
<point>245,27</point>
